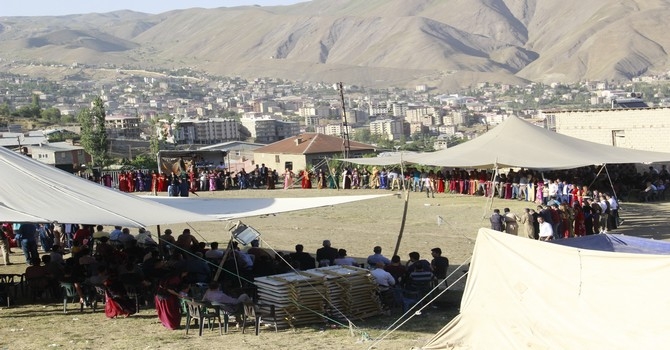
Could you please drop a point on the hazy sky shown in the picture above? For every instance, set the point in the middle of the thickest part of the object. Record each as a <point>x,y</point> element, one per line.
<point>67,7</point>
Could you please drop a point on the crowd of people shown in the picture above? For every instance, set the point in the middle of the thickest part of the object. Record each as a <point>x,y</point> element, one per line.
<point>561,217</point>
<point>523,184</point>
<point>133,269</point>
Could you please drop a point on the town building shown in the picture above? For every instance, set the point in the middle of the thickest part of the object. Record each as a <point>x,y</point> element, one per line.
<point>390,129</point>
<point>122,126</point>
<point>308,150</point>
<point>638,128</point>
<point>206,131</point>
<point>62,155</point>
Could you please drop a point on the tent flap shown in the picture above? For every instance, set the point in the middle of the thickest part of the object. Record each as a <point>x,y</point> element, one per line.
<point>36,192</point>
<point>526,294</point>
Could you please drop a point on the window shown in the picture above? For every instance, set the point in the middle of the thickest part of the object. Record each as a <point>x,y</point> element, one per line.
<point>618,137</point>
<point>277,159</point>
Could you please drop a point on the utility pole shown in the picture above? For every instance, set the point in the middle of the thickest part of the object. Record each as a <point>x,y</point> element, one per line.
<point>345,125</point>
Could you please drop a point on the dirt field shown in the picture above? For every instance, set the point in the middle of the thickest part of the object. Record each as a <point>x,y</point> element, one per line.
<point>356,227</point>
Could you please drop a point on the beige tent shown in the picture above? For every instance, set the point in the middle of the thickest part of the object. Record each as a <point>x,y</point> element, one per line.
<point>517,143</point>
<point>31,191</point>
<point>526,294</point>
<point>36,192</point>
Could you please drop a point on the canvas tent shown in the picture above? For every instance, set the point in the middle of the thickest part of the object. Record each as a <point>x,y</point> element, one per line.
<point>236,208</point>
<point>36,192</point>
<point>517,143</point>
<point>526,294</point>
<point>617,243</point>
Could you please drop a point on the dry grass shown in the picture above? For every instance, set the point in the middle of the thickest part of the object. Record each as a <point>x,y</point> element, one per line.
<point>356,227</point>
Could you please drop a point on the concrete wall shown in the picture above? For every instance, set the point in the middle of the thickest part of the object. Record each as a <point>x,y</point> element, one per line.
<point>645,129</point>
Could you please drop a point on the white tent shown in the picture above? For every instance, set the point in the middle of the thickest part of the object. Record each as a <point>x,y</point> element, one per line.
<point>236,208</point>
<point>517,143</point>
<point>36,192</point>
<point>526,294</point>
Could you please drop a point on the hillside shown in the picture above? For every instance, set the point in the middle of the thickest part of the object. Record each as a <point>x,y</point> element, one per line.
<point>443,43</point>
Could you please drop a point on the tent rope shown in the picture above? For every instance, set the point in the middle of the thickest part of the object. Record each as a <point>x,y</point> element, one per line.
<point>388,330</point>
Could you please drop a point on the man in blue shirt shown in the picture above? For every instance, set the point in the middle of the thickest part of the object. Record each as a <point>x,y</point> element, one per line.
<point>377,257</point>
<point>26,237</point>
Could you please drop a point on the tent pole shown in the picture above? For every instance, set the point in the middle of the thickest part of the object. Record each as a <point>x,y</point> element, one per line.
<point>404,211</point>
<point>223,260</point>
<point>611,184</point>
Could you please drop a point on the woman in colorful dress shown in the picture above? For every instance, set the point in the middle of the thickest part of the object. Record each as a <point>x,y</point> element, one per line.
<point>305,180</point>
<point>288,179</point>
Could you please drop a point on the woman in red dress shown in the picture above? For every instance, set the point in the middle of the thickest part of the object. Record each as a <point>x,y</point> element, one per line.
<point>162,184</point>
<point>440,182</point>
<point>167,302</point>
<point>306,182</point>
<point>130,179</point>
<point>123,183</point>
<point>117,302</point>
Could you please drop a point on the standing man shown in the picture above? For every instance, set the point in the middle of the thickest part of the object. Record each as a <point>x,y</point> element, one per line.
<point>511,225</point>
<point>526,221</point>
<point>26,236</point>
<point>614,212</point>
<point>4,245</point>
<point>546,231</point>
<point>497,220</point>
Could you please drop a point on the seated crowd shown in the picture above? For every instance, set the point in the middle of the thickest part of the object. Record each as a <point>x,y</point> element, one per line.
<point>128,270</point>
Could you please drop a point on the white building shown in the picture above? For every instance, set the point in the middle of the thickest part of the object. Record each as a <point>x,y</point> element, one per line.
<point>641,128</point>
<point>389,128</point>
<point>207,131</point>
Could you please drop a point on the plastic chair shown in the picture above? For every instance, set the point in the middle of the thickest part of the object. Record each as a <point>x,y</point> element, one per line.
<point>8,284</point>
<point>70,292</point>
<point>133,293</point>
<point>199,312</point>
<point>253,313</point>
<point>99,296</point>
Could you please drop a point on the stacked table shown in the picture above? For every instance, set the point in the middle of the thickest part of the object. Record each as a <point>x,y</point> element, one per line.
<point>307,297</point>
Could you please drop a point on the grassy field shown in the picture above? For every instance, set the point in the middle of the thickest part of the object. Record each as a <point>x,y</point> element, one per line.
<point>357,227</point>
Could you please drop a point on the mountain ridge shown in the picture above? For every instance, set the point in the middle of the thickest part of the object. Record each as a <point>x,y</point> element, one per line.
<point>447,44</point>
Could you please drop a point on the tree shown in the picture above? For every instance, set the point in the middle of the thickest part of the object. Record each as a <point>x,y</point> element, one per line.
<point>93,133</point>
<point>51,115</point>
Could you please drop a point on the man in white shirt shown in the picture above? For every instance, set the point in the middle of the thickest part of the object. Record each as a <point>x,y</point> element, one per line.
<point>605,214</point>
<point>614,211</point>
<point>546,231</point>
<point>214,252</point>
<point>384,279</point>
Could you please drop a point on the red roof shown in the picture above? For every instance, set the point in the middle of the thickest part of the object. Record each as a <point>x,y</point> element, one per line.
<point>312,143</point>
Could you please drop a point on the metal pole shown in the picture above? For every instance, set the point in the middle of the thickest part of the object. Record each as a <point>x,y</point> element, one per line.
<point>404,211</point>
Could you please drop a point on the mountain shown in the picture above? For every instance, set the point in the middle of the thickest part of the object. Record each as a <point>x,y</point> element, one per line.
<point>442,43</point>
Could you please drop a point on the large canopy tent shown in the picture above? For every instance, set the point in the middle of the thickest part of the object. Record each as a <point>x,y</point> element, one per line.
<point>236,208</point>
<point>36,192</point>
<point>517,143</point>
<point>32,191</point>
<point>527,294</point>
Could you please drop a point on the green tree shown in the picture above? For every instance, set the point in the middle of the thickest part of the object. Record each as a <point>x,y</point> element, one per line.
<point>5,110</point>
<point>144,161</point>
<point>93,133</point>
<point>51,115</point>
